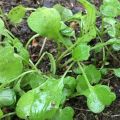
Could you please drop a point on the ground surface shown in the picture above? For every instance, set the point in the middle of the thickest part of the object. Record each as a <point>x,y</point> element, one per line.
<point>79,104</point>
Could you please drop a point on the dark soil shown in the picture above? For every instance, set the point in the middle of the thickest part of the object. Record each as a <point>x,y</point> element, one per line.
<point>79,104</point>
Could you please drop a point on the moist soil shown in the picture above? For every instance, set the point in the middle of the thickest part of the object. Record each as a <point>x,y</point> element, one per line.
<point>79,104</point>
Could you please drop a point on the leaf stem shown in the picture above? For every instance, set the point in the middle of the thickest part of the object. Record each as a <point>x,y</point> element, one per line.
<point>85,38</point>
<point>43,45</point>
<point>67,62</point>
<point>40,58</point>
<point>68,69</point>
<point>8,114</point>
<point>21,75</point>
<point>29,41</point>
<point>105,44</point>
<point>84,74</point>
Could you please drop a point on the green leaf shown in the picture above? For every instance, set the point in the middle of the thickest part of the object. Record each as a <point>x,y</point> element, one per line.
<point>69,86</point>
<point>82,86</point>
<point>10,65</point>
<point>1,113</point>
<point>43,101</point>
<point>2,26</point>
<point>110,8</point>
<point>46,22</point>
<point>69,82</point>
<point>18,47</point>
<point>64,114</point>
<point>64,12</point>
<point>81,52</point>
<point>110,26</point>
<point>88,21</point>
<point>7,97</point>
<point>116,47</point>
<point>109,11</point>
<point>67,31</point>
<point>16,14</point>
<point>20,50</point>
<point>117,72</point>
<point>99,97</point>
<point>34,79</point>
<point>52,62</point>
<point>93,74</point>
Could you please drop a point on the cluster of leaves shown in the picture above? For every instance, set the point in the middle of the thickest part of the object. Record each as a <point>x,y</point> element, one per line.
<point>37,96</point>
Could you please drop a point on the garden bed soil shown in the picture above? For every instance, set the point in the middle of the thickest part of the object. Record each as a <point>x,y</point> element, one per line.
<point>79,104</point>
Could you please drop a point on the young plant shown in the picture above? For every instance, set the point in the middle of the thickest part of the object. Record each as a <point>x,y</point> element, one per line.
<point>37,95</point>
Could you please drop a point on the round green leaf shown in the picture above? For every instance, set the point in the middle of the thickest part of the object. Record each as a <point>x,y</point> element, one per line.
<point>82,86</point>
<point>93,74</point>
<point>94,104</point>
<point>109,11</point>
<point>81,52</point>
<point>7,97</point>
<point>46,22</point>
<point>104,94</point>
<point>99,97</point>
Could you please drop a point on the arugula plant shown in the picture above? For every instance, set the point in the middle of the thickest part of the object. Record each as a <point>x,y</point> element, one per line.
<point>36,95</point>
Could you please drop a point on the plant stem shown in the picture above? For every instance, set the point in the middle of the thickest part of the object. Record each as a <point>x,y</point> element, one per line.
<point>21,75</point>
<point>8,114</point>
<point>84,38</point>
<point>68,69</point>
<point>105,44</point>
<point>40,59</point>
<point>29,41</point>
<point>67,62</point>
<point>43,45</point>
<point>65,73</point>
<point>84,74</point>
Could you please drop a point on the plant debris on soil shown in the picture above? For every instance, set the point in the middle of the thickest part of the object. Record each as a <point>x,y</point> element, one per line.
<point>24,33</point>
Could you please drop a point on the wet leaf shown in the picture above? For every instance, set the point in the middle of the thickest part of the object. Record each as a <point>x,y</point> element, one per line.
<point>7,97</point>
<point>43,101</point>
<point>99,97</point>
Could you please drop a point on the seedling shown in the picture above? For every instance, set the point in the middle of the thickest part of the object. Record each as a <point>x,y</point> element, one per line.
<point>37,95</point>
